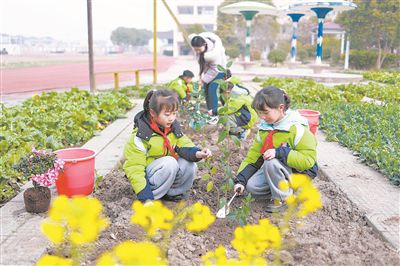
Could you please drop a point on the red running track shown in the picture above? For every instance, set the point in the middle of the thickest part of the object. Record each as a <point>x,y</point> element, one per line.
<point>76,75</point>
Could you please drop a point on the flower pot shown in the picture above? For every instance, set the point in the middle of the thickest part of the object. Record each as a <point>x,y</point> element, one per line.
<point>37,200</point>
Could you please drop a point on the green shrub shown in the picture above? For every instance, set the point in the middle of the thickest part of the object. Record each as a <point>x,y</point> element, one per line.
<point>383,77</point>
<point>277,56</point>
<point>367,59</point>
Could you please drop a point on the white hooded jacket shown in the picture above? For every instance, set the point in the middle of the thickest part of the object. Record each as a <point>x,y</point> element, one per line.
<point>214,56</point>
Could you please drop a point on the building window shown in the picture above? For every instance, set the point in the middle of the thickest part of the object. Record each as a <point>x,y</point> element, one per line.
<point>185,10</point>
<point>205,10</point>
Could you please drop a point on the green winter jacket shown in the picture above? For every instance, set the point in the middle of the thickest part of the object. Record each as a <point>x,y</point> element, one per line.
<point>294,143</point>
<point>240,106</point>
<point>145,146</point>
<point>180,87</point>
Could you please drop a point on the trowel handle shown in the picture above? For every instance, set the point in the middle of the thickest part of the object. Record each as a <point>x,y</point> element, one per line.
<point>229,203</point>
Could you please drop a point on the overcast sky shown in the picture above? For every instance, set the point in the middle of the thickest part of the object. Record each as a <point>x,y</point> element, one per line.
<point>66,19</point>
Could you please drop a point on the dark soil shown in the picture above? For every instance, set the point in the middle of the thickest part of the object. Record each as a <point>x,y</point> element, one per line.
<point>37,200</point>
<point>336,235</point>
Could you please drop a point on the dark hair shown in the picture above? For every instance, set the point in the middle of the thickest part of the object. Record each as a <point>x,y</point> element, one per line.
<point>157,100</point>
<point>187,73</point>
<point>270,97</point>
<point>228,73</point>
<point>197,41</point>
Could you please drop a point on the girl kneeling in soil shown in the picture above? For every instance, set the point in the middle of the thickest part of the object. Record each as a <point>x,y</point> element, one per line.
<point>159,157</point>
<point>283,145</point>
<point>241,116</point>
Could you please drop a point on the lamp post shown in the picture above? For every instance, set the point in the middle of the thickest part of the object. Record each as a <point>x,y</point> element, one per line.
<point>249,10</point>
<point>321,8</point>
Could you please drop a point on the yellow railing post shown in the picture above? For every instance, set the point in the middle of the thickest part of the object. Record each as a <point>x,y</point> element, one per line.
<point>137,78</point>
<point>116,80</point>
<point>155,42</point>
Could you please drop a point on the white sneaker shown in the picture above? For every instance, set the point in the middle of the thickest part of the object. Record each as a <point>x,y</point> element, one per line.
<point>213,120</point>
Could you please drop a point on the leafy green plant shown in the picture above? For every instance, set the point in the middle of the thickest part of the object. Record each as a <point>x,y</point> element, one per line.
<point>52,121</point>
<point>277,56</point>
<point>383,77</point>
<point>240,214</point>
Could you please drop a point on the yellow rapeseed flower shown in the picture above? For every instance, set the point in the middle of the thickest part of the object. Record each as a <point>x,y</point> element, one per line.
<point>200,218</point>
<point>48,260</point>
<point>283,185</point>
<point>152,217</point>
<point>80,217</point>
<point>55,232</point>
<point>132,253</point>
<point>252,240</point>
<point>306,196</point>
<point>219,258</point>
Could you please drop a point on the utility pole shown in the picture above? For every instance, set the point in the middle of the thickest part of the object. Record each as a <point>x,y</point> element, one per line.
<point>90,44</point>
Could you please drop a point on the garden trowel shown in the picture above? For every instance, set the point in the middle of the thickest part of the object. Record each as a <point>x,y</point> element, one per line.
<point>224,211</point>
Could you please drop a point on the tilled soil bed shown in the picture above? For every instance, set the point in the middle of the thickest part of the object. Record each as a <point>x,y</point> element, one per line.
<point>336,235</point>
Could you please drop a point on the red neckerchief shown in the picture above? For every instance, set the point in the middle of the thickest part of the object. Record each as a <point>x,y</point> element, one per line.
<point>167,144</point>
<point>187,92</point>
<point>268,144</point>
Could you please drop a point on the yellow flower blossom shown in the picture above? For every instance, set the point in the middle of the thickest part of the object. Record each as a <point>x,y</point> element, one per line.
<point>48,260</point>
<point>306,197</point>
<point>252,240</point>
<point>283,185</point>
<point>200,218</point>
<point>55,232</point>
<point>218,257</point>
<point>79,219</point>
<point>152,217</point>
<point>132,253</point>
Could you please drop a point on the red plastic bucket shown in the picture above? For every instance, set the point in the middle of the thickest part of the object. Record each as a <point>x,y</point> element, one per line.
<point>78,175</point>
<point>312,117</point>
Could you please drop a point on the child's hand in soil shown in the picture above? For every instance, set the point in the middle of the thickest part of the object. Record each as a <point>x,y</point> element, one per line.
<point>239,188</point>
<point>204,153</point>
<point>269,154</point>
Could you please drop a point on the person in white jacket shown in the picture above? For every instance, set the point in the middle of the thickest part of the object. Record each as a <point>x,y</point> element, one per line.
<point>210,53</point>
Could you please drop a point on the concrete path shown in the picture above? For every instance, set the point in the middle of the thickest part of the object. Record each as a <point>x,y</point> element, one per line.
<point>369,190</point>
<point>21,241</point>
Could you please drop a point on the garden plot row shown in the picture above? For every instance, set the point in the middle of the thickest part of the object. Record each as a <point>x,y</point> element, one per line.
<point>371,131</point>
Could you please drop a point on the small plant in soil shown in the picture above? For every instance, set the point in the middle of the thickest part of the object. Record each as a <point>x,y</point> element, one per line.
<point>42,168</point>
<point>72,225</point>
<point>197,119</point>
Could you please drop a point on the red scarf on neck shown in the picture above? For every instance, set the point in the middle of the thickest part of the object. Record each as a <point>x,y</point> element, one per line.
<point>167,144</point>
<point>187,92</point>
<point>268,143</point>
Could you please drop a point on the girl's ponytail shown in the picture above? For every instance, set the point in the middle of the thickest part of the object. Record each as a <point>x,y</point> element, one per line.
<point>146,102</point>
<point>287,99</point>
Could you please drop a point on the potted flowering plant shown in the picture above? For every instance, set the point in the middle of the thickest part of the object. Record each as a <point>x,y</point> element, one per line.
<point>43,168</point>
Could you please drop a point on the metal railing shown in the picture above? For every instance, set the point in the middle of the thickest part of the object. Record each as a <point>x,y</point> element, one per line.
<point>116,75</point>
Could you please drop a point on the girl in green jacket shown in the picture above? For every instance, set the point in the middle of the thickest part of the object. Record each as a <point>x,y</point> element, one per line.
<point>183,85</point>
<point>241,116</point>
<point>284,145</point>
<point>160,159</point>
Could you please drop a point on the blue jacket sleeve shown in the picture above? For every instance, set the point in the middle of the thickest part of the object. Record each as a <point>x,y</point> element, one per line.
<point>146,193</point>
<point>188,153</point>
